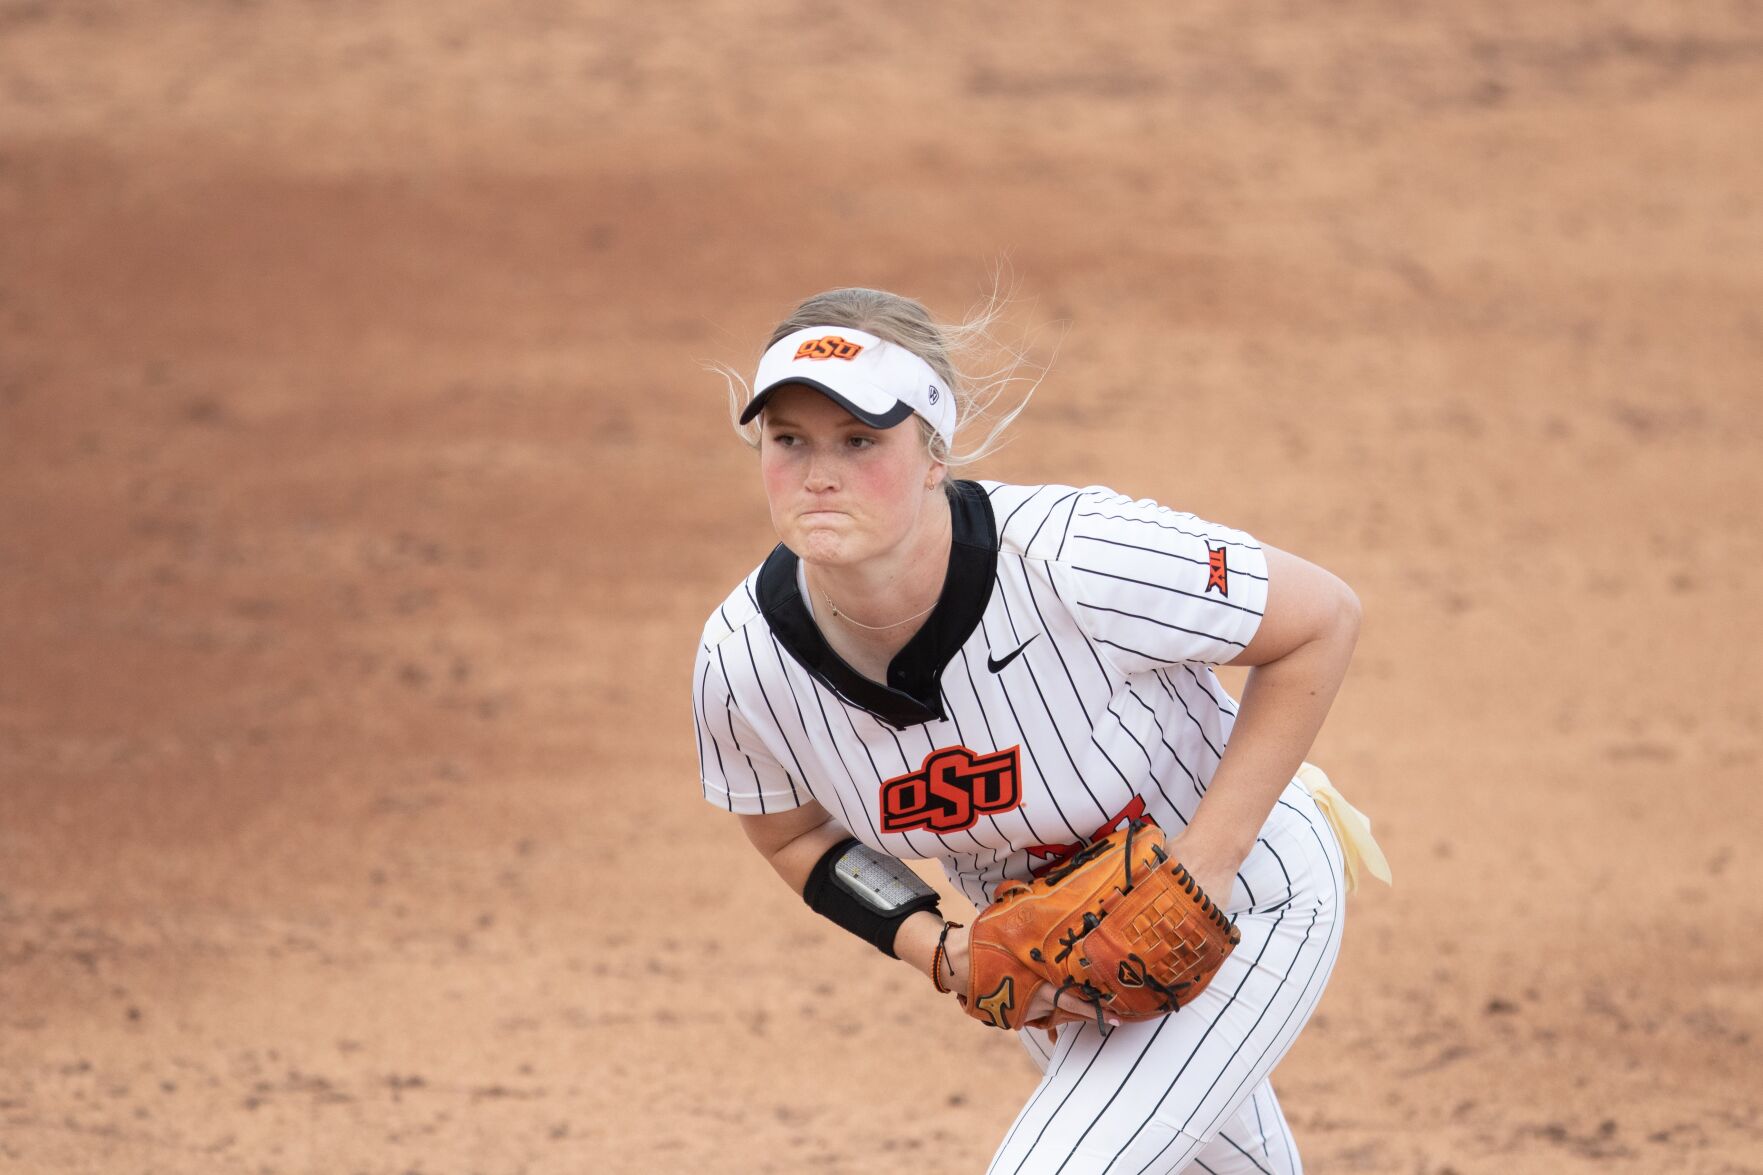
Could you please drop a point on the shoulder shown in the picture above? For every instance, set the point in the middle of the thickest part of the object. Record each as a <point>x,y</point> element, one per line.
<point>738,610</point>
<point>1101,514</point>
<point>1042,522</point>
<point>1031,519</point>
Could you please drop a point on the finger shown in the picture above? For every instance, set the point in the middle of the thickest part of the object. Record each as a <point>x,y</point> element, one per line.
<point>1069,1008</point>
<point>1064,1005</point>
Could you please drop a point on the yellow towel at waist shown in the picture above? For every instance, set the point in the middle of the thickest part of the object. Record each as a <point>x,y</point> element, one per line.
<point>1351,827</point>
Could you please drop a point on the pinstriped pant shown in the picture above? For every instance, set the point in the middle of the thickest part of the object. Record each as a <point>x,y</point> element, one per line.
<point>1190,1091</point>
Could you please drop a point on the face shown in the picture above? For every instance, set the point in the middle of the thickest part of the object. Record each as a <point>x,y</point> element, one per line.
<point>840,491</point>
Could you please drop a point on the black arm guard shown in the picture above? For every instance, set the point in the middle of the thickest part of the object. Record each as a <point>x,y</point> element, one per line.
<point>866,893</point>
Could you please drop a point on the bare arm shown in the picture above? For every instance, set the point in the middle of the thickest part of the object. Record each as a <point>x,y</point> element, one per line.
<point>793,841</point>
<point>1299,657</point>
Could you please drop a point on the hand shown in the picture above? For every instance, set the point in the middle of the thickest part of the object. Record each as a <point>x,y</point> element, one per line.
<point>1060,1009</point>
<point>1215,872</point>
<point>1045,1002</point>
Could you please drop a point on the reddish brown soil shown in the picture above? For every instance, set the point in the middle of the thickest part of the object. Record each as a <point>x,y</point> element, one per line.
<point>361,496</point>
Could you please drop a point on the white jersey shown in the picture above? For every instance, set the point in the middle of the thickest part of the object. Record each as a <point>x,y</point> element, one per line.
<point>1062,684</point>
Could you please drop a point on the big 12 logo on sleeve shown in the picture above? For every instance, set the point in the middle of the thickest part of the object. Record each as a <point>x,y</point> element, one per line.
<point>953,789</point>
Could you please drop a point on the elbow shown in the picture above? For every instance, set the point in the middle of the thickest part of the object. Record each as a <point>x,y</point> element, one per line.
<point>1349,614</point>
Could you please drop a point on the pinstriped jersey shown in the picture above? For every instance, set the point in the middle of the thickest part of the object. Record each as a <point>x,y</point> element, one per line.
<point>1062,684</point>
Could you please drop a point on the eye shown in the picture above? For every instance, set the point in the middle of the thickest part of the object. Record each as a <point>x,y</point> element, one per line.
<point>860,442</point>
<point>785,439</point>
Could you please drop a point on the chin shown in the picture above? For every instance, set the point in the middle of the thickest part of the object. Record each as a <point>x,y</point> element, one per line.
<point>823,547</point>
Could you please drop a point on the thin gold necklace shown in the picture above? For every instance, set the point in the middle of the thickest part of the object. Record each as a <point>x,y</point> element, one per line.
<point>855,623</point>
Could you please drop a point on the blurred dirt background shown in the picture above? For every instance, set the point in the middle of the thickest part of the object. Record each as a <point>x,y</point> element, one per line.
<point>362,494</point>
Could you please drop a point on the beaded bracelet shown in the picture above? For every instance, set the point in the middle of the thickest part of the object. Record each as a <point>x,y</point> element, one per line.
<point>940,956</point>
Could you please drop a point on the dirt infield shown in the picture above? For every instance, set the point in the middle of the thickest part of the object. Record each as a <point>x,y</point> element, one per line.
<point>362,494</point>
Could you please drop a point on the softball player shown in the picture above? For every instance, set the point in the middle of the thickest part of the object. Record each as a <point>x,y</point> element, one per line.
<point>996,675</point>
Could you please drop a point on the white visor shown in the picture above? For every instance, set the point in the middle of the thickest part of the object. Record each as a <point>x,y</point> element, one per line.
<point>878,382</point>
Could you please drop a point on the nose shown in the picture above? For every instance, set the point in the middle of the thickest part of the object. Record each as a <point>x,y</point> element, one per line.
<point>821,475</point>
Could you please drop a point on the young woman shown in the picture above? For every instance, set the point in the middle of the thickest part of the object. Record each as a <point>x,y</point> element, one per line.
<point>995,676</point>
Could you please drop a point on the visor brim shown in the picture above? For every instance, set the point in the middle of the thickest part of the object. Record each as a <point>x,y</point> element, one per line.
<point>885,419</point>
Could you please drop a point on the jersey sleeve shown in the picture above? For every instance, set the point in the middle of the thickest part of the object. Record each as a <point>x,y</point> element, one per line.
<point>1153,587</point>
<point>739,774</point>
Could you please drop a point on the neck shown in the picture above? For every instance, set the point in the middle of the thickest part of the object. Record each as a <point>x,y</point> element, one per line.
<point>884,601</point>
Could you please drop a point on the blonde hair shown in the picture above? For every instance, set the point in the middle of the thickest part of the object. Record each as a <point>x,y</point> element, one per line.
<point>948,347</point>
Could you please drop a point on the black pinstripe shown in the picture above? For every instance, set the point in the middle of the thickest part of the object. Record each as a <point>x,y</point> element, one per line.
<point>845,764</point>
<point>796,700</point>
<point>1279,1038</point>
<point>1088,644</point>
<point>1027,661</point>
<point>747,639</point>
<point>1175,691</point>
<point>1260,1125</point>
<point>991,740</point>
<point>1070,516</point>
<point>1150,620</point>
<point>1218,696</point>
<point>1163,737</point>
<point>1167,526</point>
<point>1165,554</point>
<point>698,735</point>
<point>721,768</point>
<point>1291,1155</point>
<point>1077,694</point>
<point>1028,746</point>
<point>1004,528</point>
<point>1071,497</point>
<point>735,739</point>
<point>1095,1055</point>
<point>1238,1147</point>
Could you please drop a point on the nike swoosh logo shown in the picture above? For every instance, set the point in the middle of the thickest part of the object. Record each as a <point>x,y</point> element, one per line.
<point>997,666</point>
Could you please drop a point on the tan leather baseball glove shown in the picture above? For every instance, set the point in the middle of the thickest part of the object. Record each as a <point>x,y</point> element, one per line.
<point>1120,925</point>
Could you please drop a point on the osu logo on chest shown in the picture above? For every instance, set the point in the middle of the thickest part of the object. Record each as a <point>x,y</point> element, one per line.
<point>953,789</point>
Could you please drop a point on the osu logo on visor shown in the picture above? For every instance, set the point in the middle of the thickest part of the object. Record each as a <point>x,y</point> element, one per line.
<point>953,789</point>
<point>829,347</point>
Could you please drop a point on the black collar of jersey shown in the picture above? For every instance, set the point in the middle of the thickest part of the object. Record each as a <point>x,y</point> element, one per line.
<point>913,693</point>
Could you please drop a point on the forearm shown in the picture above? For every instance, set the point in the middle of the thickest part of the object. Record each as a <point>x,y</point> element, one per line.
<point>1283,706</point>
<point>794,860</point>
